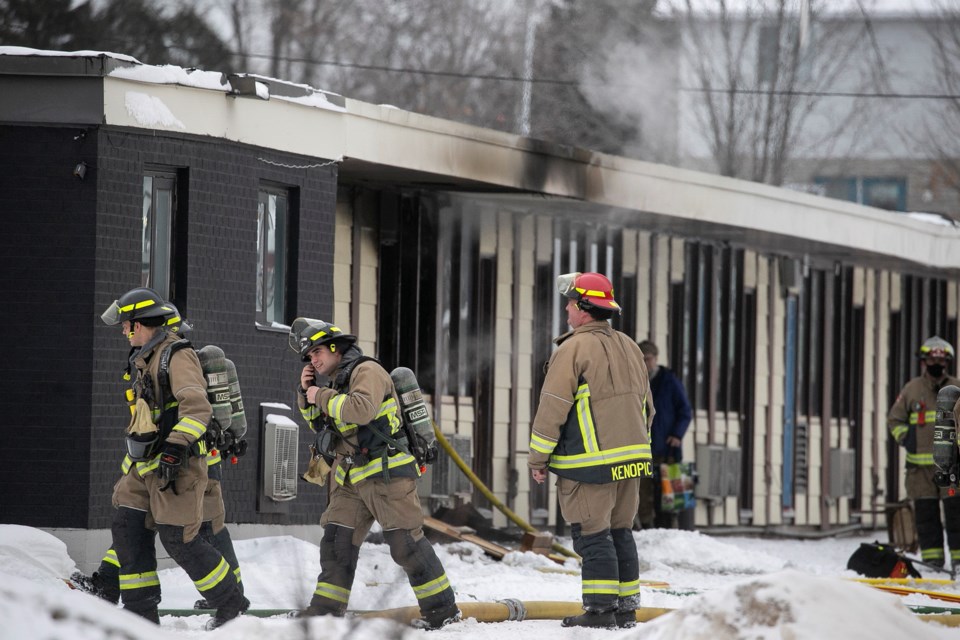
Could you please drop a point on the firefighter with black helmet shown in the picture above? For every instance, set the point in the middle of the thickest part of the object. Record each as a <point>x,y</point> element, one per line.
<point>164,483</point>
<point>591,430</point>
<point>350,401</point>
<point>911,422</point>
<point>105,582</point>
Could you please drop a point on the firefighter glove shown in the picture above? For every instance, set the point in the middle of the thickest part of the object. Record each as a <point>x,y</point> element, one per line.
<point>173,457</point>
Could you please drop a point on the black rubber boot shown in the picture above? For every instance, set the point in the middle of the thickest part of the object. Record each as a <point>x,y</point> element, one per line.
<point>232,608</point>
<point>594,619</point>
<point>626,619</point>
<point>149,614</point>
<point>438,618</point>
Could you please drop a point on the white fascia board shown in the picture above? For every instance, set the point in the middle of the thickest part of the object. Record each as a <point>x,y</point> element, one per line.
<point>395,138</point>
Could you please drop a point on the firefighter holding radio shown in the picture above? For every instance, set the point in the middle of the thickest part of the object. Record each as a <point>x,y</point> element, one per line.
<point>360,432</point>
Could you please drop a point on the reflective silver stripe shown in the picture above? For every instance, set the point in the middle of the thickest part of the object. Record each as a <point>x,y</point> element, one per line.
<point>213,578</point>
<point>138,580</point>
<point>332,591</point>
<point>431,588</point>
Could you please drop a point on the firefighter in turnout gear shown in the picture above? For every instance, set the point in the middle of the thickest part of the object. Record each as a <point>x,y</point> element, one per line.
<point>165,475</point>
<point>591,430</point>
<point>105,582</point>
<point>359,431</point>
<point>911,423</point>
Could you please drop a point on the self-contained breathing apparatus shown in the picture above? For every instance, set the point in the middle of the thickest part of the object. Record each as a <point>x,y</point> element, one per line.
<point>416,438</point>
<point>945,439</point>
<point>228,424</point>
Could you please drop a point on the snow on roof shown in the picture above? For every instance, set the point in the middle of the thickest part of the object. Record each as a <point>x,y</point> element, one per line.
<point>266,87</point>
<point>26,51</point>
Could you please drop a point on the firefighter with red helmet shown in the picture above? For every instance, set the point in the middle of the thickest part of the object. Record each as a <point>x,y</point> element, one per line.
<point>164,482</point>
<point>911,422</point>
<point>591,430</point>
<point>350,401</point>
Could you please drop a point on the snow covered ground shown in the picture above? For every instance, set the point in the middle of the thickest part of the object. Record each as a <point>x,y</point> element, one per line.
<point>720,588</point>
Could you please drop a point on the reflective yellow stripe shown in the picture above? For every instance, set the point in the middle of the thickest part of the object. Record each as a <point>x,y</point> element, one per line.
<point>609,587</point>
<point>335,406</point>
<point>311,413</point>
<point>191,427</point>
<point>929,417</point>
<point>898,431</point>
<point>213,578</point>
<point>374,467</point>
<point>111,558</point>
<point>607,456</point>
<point>630,588</point>
<point>332,591</point>
<point>920,459</point>
<point>431,588</point>
<point>130,581</point>
<point>143,468</point>
<point>585,419</point>
<point>541,444</point>
<point>214,458</point>
<point>126,464</point>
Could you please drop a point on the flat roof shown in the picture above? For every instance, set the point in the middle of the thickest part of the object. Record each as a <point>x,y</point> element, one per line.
<point>383,145</point>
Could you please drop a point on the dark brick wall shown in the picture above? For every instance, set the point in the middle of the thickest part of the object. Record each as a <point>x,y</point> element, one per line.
<point>48,267</point>
<point>62,408</point>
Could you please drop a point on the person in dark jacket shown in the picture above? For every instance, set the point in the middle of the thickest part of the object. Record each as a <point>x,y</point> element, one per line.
<point>666,435</point>
<point>590,430</point>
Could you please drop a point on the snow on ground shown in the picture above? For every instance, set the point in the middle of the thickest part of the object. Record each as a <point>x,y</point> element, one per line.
<point>720,588</point>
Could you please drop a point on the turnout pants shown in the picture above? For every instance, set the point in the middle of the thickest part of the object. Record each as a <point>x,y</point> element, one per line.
<point>346,522</point>
<point>926,498</point>
<point>213,530</point>
<point>601,517</point>
<point>178,517</point>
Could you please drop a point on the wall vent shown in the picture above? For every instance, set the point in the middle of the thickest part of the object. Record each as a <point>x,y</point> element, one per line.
<point>280,443</point>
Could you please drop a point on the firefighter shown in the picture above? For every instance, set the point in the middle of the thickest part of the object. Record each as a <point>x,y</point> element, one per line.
<point>591,430</point>
<point>164,484</point>
<point>911,423</point>
<point>105,582</point>
<point>357,421</point>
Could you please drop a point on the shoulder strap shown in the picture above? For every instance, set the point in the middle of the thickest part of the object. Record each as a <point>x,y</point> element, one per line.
<point>163,373</point>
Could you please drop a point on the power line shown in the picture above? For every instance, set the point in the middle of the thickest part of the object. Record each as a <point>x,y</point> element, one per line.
<point>557,81</point>
<point>828,94</point>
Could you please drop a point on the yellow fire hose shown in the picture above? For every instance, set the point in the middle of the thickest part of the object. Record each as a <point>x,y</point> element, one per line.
<point>507,610</point>
<point>489,495</point>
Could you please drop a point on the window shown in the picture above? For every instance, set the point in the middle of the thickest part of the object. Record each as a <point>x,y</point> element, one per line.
<point>273,216</point>
<point>883,193</point>
<point>159,206</point>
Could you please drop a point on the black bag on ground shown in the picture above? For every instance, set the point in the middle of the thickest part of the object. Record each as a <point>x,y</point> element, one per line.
<point>875,560</point>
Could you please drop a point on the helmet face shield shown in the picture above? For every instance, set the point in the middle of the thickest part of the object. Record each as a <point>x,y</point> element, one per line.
<point>588,289</point>
<point>565,284</point>
<point>112,315</point>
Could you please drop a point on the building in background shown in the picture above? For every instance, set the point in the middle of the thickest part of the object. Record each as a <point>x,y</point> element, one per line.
<point>250,201</point>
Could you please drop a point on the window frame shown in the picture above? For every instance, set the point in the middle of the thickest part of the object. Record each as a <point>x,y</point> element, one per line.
<point>158,276</point>
<point>275,312</point>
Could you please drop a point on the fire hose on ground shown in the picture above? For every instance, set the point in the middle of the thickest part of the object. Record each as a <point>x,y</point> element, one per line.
<point>513,517</point>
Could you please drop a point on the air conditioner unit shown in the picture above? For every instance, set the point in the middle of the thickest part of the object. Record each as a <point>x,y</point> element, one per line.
<point>443,478</point>
<point>280,443</point>
<point>842,473</point>
<point>731,472</point>
<point>710,462</point>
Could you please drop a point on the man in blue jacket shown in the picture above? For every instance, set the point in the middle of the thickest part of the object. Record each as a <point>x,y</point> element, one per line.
<point>669,425</point>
